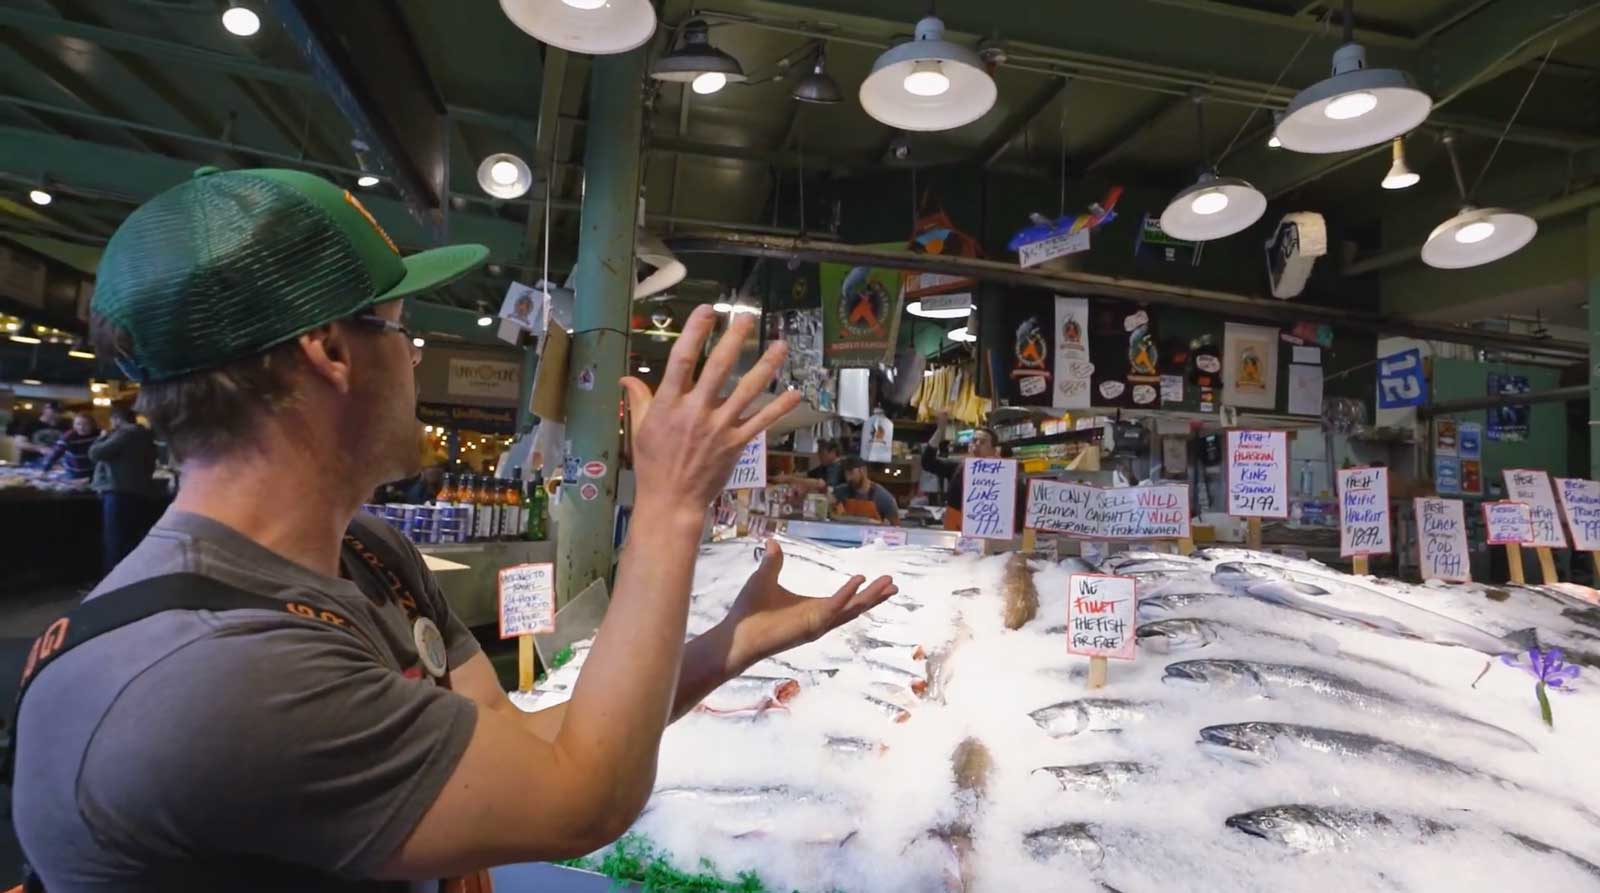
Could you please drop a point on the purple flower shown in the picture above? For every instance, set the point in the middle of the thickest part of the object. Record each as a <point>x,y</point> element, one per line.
<point>1545,666</point>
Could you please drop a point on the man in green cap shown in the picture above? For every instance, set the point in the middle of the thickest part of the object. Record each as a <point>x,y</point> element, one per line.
<point>328,723</point>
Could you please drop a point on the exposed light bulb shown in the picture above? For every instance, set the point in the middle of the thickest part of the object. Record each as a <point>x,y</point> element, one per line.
<point>503,172</point>
<point>366,181</point>
<point>643,369</point>
<point>1401,181</point>
<point>1274,143</point>
<point>418,342</point>
<point>709,82</point>
<point>485,320</point>
<point>241,22</point>
<point>1475,232</point>
<point>927,78</point>
<point>1209,202</point>
<point>427,429</point>
<point>40,197</point>
<point>1350,105</point>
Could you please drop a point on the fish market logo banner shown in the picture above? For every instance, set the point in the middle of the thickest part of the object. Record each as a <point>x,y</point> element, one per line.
<point>1580,500</point>
<point>1400,380</point>
<point>1158,512</point>
<point>483,378</point>
<point>1442,540</point>
<point>1031,349</point>
<point>1100,615</point>
<point>1258,474</point>
<point>1532,486</point>
<point>1364,512</point>
<point>861,313</point>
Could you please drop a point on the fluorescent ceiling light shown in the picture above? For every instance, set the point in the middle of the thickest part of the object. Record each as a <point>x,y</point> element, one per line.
<point>1400,176</point>
<point>504,175</point>
<point>960,310</point>
<point>486,320</point>
<point>928,83</point>
<point>1355,108</point>
<point>697,63</point>
<point>1212,208</point>
<point>80,354</point>
<point>34,381</point>
<point>1477,236</point>
<point>25,339</point>
<point>598,27</point>
<point>241,21</point>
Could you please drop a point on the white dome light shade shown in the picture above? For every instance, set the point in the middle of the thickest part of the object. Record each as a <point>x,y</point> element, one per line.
<point>1355,108</point>
<point>900,90</point>
<point>1477,236</point>
<point>598,27</point>
<point>1212,208</point>
<point>962,334</point>
<point>956,309</point>
<point>698,63</point>
<point>504,175</point>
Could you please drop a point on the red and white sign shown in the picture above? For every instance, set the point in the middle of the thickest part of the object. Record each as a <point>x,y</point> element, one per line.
<point>1507,523</point>
<point>589,492</point>
<point>889,536</point>
<point>1258,474</point>
<point>1532,486</point>
<point>1100,615</point>
<point>594,469</point>
<point>1364,527</point>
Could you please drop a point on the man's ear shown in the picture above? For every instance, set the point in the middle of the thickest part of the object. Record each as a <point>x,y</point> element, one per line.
<point>326,351</point>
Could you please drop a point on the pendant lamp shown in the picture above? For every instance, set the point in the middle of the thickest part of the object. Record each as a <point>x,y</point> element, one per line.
<point>1214,207</point>
<point>928,83</point>
<point>818,87</point>
<point>1475,236</point>
<point>697,63</point>
<point>1400,175</point>
<point>598,27</point>
<point>504,175</point>
<point>1356,107</point>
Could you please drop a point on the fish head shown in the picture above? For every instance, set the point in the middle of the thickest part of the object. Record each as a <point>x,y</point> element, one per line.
<point>1175,634</point>
<point>1204,673</point>
<point>1275,823</point>
<point>1246,741</point>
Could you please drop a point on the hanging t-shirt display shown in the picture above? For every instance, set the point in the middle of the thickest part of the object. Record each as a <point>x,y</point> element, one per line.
<point>1126,353</point>
<point>1025,347</point>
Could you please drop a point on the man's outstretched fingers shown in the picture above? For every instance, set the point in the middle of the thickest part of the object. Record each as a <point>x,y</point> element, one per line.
<point>723,357</point>
<point>767,416</point>
<point>678,376</point>
<point>639,399</point>
<point>755,381</point>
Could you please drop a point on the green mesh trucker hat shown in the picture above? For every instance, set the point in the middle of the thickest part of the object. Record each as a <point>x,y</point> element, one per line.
<point>231,263</point>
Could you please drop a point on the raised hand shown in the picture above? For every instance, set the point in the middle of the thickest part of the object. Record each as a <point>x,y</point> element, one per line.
<point>767,619</point>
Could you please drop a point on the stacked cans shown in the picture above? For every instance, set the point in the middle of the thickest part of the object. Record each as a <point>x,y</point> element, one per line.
<point>423,524</point>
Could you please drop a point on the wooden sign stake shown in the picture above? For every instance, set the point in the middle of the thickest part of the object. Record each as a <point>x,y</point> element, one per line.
<point>1595,557</point>
<point>1097,672</point>
<point>1514,562</point>
<point>1186,547</point>
<point>1547,565</point>
<point>1030,539</point>
<point>1252,537</point>
<point>525,663</point>
<point>1358,565</point>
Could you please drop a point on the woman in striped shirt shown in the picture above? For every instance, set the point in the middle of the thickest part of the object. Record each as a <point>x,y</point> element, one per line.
<point>72,450</point>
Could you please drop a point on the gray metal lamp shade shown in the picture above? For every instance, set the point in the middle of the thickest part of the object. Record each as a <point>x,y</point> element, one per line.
<point>969,95</point>
<point>695,57</point>
<point>600,27</point>
<point>1212,208</point>
<point>818,87</point>
<point>1477,236</point>
<point>1355,108</point>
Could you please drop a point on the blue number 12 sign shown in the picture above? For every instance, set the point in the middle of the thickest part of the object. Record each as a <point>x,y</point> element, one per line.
<point>1400,381</point>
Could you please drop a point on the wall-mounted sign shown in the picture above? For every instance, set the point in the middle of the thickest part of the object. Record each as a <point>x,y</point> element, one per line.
<point>1400,380</point>
<point>473,377</point>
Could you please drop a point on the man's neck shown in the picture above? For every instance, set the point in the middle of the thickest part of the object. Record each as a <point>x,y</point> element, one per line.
<point>290,506</point>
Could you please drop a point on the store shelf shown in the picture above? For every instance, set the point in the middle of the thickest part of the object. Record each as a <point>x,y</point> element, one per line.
<point>1078,436</point>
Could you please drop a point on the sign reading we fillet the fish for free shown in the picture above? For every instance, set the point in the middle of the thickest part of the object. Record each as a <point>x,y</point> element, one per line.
<point>1532,486</point>
<point>1442,540</point>
<point>1580,500</point>
<point>989,498</point>
<point>1364,511</point>
<point>1159,512</point>
<point>1100,615</point>
<point>1258,474</point>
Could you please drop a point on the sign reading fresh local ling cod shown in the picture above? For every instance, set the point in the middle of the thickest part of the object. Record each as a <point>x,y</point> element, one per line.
<point>989,498</point>
<point>1442,540</point>
<point>1258,474</point>
<point>1100,615</point>
<point>527,600</point>
<point>1159,512</point>
<point>1364,511</point>
<point>1580,500</point>
<point>1532,486</point>
<point>750,472</point>
<point>1507,523</point>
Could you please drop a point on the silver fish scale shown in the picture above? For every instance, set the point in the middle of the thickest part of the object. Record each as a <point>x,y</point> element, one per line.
<point>1088,715</point>
<point>1072,838</point>
<point>1104,777</point>
<point>1318,828</point>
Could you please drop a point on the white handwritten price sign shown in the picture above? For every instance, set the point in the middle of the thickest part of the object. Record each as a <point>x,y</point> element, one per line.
<point>1364,511</point>
<point>1507,523</point>
<point>1258,474</point>
<point>1100,615</point>
<point>1058,507</point>
<point>1442,540</point>
<point>527,600</point>
<point>1580,501</point>
<point>969,545</point>
<point>750,473</point>
<point>1532,486</point>
<point>989,498</point>
<point>889,536</point>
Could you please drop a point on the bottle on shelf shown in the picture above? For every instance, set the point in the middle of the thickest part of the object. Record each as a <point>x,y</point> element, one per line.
<point>534,504</point>
<point>512,527</point>
<point>465,509</point>
<point>488,509</point>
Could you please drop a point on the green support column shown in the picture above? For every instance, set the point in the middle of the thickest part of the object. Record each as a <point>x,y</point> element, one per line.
<point>600,319</point>
<point>530,365</point>
<point>1593,277</point>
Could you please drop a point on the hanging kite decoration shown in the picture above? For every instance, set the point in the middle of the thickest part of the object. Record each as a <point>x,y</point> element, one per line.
<point>1046,240</point>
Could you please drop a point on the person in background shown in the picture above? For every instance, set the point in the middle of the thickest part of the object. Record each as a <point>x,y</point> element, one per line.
<point>425,486</point>
<point>985,445</point>
<point>72,449</point>
<point>35,437</point>
<point>824,475</point>
<point>124,467</point>
<point>860,497</point>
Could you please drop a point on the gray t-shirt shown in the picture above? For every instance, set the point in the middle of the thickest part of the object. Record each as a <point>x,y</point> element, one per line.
<point>247,750</point>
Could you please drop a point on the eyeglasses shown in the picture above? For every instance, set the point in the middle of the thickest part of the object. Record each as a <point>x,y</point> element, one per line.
<point>413,342</point>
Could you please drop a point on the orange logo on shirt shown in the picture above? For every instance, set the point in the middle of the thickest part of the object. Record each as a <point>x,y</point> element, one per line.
<point>48,643</point>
